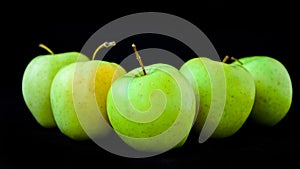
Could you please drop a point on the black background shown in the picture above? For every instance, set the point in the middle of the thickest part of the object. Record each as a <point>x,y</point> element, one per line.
<point>238,30</point>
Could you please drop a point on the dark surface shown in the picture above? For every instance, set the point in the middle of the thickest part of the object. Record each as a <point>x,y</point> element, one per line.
<point>25,144</point>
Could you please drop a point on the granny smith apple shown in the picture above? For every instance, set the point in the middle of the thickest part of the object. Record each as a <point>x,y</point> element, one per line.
<point>273,89</point>
<point>78,98</point>
<point>223,111</point>
<point>152,108</point>
<point>37,80</point>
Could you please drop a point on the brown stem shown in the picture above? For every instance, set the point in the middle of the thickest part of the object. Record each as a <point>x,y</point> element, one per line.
<point>138,57</point>
<point>237,60</point>
<point>225,59</point>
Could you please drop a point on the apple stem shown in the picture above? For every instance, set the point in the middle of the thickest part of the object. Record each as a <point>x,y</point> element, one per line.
<point>46,48</point>
<point>138,57</point>
<point>225,59</point>
<point>235,59</point>
<point>106,45</point>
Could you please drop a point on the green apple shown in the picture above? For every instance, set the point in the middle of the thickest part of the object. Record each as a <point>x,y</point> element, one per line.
<point>78,98</point>
<point>37,80</point>
<point>273,89</point>
<point>225,96</point>
<point>152,109</point>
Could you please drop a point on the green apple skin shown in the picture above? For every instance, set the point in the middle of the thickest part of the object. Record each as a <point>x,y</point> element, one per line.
<point>273,89</point>
<point>239,93</point>
<point>78,98</point>
<point>153,112</point>
<point>37,80</point>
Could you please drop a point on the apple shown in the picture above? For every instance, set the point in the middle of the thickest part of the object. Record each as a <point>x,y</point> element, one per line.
<point>273,89</point>
<point>225,94</point>
<point>37,80</point>
<point>78,97</point>
<point>152,108</point>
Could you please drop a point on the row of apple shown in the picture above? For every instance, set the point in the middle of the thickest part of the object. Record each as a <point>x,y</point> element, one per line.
<point>86,98</point>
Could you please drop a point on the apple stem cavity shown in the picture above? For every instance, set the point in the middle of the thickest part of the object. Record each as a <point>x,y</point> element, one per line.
<point>235,59</point>
<point>106,45</point>
<point>225,59</point>
<point>138,57</point>
<point>46,48</point>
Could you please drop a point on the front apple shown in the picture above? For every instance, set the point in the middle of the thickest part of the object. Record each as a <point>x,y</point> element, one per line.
<point>152,112</point>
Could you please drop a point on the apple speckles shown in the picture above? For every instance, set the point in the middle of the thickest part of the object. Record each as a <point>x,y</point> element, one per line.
<point>239,98</point>
<point>273,89</point>
<point>278,83</point>
<point>163,91</point>
<point>37,81</point>
<point>78,97</point>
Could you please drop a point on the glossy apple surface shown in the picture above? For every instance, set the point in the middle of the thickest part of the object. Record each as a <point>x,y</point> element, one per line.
<point>78,98</point>
<point>37,80</point>
<point>273,89</point>
<point>225,94</point>
<point>152,112</point>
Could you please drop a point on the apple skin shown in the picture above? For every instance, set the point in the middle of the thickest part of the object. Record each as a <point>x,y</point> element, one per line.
<point>237,94</point>
<point>153,112</point>
<point>78,98</point>
<point>273,89</point>
<point>37,80</point>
